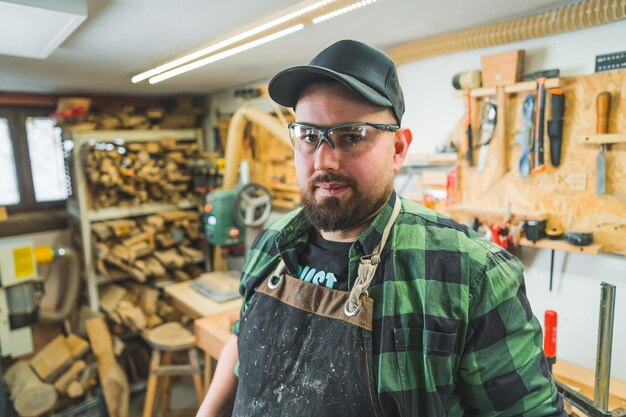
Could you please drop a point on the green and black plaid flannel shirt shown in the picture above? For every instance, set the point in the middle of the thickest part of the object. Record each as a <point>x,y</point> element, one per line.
<point>454,333</point>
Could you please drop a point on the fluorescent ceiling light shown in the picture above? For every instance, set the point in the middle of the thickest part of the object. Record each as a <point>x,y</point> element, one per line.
<point>227,42</point>
<point>343,10</point>
<point>225,54</point>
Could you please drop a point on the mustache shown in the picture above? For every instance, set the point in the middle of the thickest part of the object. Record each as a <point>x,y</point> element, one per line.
<point>330,177</point>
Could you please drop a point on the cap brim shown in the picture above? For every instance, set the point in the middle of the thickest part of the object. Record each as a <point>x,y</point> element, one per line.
<point>286,86</point>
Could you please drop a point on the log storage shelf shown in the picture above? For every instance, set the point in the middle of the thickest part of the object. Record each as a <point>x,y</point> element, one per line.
<point>126,174</point>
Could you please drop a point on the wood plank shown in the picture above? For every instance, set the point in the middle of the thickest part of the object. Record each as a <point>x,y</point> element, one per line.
<point>76,345</point>
<point>607,138</point>
<point>583,379</point>
<point>195,304</point>
<point>136,135</point>
<point>488,211</point>
<point>52,359</point>
<point>113,381</point>
<point>213,331</point>
<point>66,379</point>
<point>561,245</point>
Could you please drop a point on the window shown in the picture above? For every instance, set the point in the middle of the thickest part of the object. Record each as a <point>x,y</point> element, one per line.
<point>9,193</point>
<point>46,159</point>
<point>32,167</point>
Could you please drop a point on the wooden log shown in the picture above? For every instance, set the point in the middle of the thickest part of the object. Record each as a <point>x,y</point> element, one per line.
<point>118,346</point>
<point>74,390</point>
<point>122,227</point>
<point>110,297</point>
<point>170,258</point>
<point>50,361</point>
<point>31,396</point>
<point>101,230</point>
<point>155,267</point>
<point>148,300</point>
<point>181,275</point>
<point>77,345</point>
<point>113,381</point>
<point>191,254</point>
<point>87,379</point>
<point>134,272</point>
<point>131,315</point>
<point>64,380</point>
<point>157,221</point>
<point>172,216</point>
<point>164,240</point>
<point>153,321</point>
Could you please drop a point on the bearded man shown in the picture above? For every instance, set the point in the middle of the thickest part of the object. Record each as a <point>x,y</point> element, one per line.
<point>360,303</point>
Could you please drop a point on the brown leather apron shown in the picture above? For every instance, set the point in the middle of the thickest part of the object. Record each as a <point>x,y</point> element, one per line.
<point>306,350</point>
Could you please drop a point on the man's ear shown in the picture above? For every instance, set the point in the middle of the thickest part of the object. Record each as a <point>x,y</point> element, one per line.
<point>404,137</point>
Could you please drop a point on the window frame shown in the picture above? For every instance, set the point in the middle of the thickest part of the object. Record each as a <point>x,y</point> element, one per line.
<point>16,117</point>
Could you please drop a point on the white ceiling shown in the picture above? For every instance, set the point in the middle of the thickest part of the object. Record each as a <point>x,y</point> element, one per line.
<point>120,38</point>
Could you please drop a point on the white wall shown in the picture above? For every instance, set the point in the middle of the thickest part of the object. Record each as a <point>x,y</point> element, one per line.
<point>432,110</point>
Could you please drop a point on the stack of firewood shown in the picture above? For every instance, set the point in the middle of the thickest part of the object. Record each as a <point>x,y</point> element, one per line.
<point>139,173</point>
<point>159,246</point>
<point>133,307</point>
<point>185,114</point>
<point>67,368</point>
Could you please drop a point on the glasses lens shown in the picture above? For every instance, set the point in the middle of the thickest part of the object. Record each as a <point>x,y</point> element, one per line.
<point>303,137</point>
<point>353,139</point>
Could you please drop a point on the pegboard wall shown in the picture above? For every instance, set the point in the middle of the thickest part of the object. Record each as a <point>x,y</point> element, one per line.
<point>565,194</point>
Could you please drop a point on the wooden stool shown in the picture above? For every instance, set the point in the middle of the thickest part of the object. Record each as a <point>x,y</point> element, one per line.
<point>168,338</point>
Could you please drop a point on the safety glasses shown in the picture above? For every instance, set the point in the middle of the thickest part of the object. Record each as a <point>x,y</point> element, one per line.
<point>351,138</point>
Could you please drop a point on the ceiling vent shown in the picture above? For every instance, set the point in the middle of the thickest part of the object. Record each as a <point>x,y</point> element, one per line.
<point>35,28</point>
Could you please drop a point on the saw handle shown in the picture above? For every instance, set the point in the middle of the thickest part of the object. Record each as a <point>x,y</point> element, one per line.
<point>603,108</point>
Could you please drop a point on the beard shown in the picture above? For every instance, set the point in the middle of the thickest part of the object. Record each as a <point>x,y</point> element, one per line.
<point>332,214</point>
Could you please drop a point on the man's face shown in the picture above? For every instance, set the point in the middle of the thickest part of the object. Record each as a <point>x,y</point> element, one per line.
<point>341,191</point>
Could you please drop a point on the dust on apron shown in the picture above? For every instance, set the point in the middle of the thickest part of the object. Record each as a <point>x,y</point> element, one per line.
<point>306,350</point>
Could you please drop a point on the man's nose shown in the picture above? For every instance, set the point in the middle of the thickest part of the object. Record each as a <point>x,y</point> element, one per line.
<point>326,158</point>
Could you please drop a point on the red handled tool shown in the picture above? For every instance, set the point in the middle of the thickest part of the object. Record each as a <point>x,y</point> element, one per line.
<point>549,337</point>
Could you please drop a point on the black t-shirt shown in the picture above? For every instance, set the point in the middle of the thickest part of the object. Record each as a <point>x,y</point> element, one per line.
<point>324,262</point>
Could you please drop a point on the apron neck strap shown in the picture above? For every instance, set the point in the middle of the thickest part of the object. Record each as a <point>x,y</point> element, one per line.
<point>368,265</point>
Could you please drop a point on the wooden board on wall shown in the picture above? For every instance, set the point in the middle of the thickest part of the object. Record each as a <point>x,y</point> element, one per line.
<point>567,193</point>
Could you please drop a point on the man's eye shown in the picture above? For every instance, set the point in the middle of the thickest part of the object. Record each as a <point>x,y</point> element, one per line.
<point>310,138</point>
<point>351,138</point>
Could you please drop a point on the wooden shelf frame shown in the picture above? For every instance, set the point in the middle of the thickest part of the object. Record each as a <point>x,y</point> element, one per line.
<point>593,249</point>
<point>606,139</point>
<point>479,211</point>
<point>78,205</point>
<point>521,87</point>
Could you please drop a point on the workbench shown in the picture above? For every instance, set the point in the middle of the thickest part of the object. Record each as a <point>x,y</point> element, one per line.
<point>213,320</point>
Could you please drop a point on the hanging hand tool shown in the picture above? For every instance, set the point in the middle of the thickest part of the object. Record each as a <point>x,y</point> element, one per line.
<point>469,155</point>
<point>555,126</point>
<point>467,80</point>
<point>603,108</point>
<point>539,127</point>
<point>525,136</point>
<point>551,73</point>
<point>486,130</point>
<point>549,336</point>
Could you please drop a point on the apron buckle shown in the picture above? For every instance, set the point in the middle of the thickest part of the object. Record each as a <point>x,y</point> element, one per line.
<point>352,311</point>
<point>274,281</point>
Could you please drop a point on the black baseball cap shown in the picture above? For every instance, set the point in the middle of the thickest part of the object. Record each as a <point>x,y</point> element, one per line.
<point>367,71</point>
